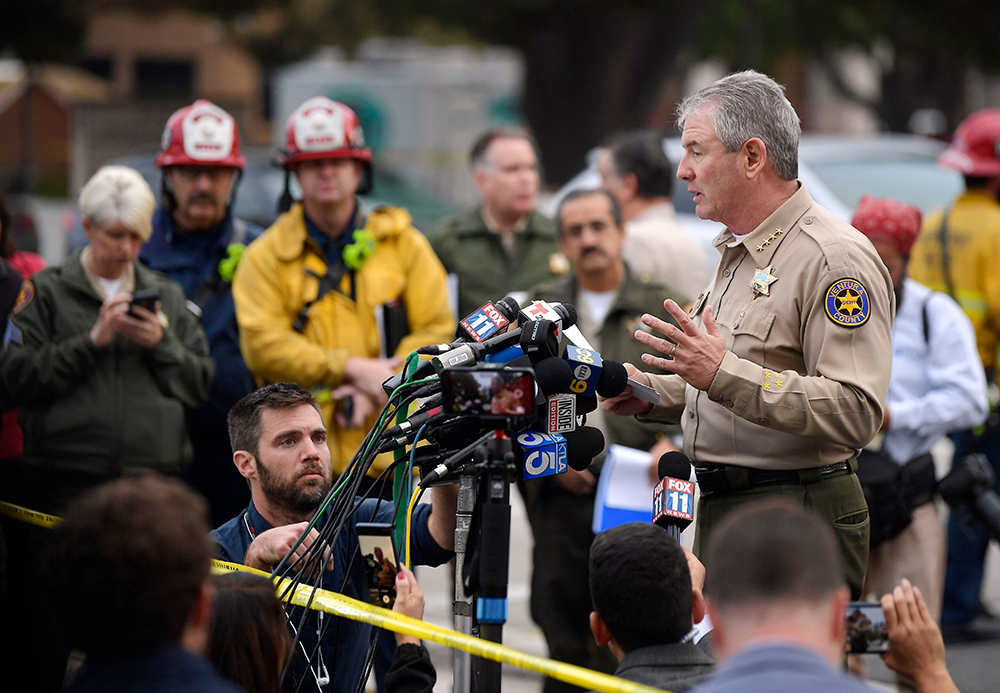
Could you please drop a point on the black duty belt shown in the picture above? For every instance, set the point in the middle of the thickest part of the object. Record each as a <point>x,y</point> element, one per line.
<point>918,479</point>
<point>734,478</point>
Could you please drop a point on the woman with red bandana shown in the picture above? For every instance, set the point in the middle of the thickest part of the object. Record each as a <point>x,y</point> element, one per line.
<point>937,387</point>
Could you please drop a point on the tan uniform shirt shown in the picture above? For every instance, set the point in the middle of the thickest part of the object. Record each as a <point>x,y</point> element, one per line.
<point>657,244</point>
<point>807,372</point>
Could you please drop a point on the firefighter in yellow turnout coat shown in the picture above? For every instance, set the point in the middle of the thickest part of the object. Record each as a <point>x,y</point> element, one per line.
<point>306,298</point>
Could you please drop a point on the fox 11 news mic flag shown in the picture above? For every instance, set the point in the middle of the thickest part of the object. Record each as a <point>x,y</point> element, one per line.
<point>490,320</point>
<point>673,495</point>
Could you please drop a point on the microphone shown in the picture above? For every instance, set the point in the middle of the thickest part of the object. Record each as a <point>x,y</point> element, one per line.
<point>552,375</point>
<point>545,454</point>
<point>613,380</point>
<point>429,409</point>
<point>482,324</point>
<point>593,375</point>
<point>539,340</point>
<point>583,445</point>
<point>471,354</point>
<point>673,495</point>
<point>563,314</point>
<point>406,432</point>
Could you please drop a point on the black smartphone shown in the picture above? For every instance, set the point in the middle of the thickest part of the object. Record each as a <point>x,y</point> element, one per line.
<point>378,554</point>
<point>867,632</point>
<point>490,393</point>
<point>146,298</point>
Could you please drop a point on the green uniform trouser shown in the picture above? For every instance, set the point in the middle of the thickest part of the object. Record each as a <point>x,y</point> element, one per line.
<point>837,499</point>
<point>560,585</point>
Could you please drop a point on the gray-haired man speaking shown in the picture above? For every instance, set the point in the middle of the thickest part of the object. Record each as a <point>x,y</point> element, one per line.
<point>781,367</point>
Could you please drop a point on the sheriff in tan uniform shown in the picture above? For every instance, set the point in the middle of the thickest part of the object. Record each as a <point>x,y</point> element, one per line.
<point>782,366</point>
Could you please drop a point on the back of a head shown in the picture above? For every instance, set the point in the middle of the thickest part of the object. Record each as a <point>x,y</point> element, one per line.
<point>772,553</point>
<point>248,639</point>
<point>640,153</point>
<point>128,563</point>
<point>640,585</point>
<point>749,104</point>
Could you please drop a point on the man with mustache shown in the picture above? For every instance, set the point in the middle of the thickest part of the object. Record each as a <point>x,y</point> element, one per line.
<point>609,298</point>
<point>197,242</point>
<point>280,447</point>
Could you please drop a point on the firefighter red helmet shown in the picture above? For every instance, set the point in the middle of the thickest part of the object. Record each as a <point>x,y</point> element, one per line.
<point>201,134</point>
<point>975,148</point>
<point>322,128</point>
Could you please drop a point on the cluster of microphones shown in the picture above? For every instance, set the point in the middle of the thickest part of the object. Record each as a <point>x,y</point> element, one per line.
<point>502,341</point>
<point>550,435</point>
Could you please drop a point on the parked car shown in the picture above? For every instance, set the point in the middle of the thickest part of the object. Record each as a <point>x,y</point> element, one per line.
<point>837,171</point>
<point>263,183</point>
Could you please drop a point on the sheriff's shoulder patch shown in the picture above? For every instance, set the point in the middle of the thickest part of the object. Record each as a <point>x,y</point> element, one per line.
<point>847,303</point>
<point>24,297</point>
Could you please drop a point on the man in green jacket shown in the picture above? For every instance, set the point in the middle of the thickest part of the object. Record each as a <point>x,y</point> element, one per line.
<point>502,245</point>
<point>609,299</point>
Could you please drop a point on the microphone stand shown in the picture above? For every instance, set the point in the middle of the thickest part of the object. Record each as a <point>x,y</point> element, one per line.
<point>463,605</point>
<point>484,491</point>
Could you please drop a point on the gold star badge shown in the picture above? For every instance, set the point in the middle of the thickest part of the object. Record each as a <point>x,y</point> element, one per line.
<point>762,280</point>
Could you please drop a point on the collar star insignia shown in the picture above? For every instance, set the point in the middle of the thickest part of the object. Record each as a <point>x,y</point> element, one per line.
<point>762,280</point>
<point>767,241</point>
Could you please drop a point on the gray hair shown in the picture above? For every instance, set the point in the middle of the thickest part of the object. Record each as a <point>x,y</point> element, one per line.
<point>119,195</point>
<point>746,105</point>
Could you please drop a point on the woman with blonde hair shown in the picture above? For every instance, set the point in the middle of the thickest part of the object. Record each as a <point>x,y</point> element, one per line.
<point>103,355</point>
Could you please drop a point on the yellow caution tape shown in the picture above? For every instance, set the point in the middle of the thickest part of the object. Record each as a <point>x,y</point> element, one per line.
<point>345,607</point>
<point>30,516</point>
<point>339,605</point>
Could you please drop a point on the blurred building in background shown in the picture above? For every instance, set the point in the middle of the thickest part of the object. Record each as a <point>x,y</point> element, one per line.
<point>421,106</point>
<point>156,63</point>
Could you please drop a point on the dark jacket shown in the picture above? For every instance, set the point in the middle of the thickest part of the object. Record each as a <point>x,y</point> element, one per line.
<point>108,411</point>
<point>468,249</point>
<point>412,670</point>
<point>163,669</point>
<point>193,262</point>
<point>638,295</point>
<point>675,667</point>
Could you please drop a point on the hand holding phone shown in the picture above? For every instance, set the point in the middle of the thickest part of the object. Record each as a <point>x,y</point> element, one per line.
<point>146,298</point>
<point>867,631</point>
<point>378,554</point>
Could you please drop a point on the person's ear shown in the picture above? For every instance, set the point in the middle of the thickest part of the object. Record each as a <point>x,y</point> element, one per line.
<point>718,627</point>
<point>838,614</point>
<point>698,608</point>
<point>602,636</point>
<point>755,156</point>
<point>630,186</point>
<point>480,178</point>
<point>246,464</point>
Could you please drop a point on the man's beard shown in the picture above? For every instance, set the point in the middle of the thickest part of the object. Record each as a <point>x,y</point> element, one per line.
<point>292,498</point>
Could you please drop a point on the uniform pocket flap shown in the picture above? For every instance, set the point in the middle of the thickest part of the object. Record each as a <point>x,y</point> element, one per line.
<point>755,322</point>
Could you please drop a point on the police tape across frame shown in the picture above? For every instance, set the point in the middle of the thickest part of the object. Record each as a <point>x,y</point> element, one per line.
<point>346,607</point>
